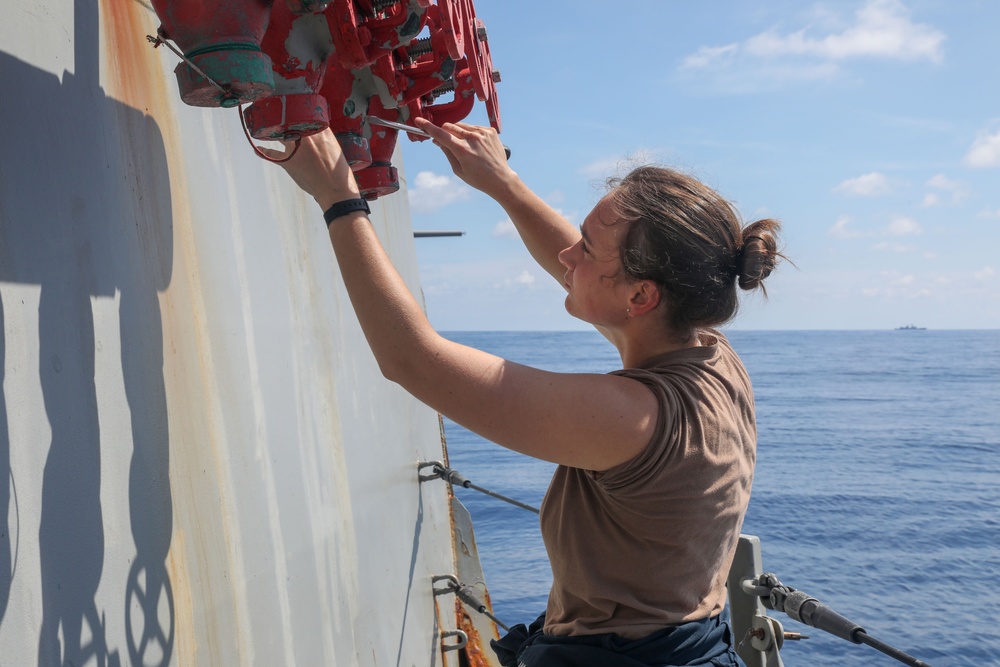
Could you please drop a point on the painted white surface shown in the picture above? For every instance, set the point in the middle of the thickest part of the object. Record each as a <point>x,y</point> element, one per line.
<point>206,466</point>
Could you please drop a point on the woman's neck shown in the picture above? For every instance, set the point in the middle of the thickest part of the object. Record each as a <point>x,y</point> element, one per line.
<point>638,348</point>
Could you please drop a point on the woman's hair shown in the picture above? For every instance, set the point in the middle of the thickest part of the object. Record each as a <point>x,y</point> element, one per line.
<point>686,238</point>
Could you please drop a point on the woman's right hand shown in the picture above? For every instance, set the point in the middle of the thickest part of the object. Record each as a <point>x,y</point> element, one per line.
<point>476,154</point>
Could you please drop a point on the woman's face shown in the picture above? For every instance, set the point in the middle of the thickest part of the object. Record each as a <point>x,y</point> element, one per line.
<point>597,292</point>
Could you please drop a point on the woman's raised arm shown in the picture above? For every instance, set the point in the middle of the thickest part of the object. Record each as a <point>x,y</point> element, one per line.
<point>587,421</point>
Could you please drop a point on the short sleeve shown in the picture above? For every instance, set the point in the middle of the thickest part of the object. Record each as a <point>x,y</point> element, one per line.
<point>646,465</point>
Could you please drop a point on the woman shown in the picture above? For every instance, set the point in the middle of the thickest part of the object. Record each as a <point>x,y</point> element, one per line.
<point>655,461</point>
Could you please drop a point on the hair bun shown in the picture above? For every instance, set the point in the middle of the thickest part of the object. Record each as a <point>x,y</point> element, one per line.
<point>758,254</point>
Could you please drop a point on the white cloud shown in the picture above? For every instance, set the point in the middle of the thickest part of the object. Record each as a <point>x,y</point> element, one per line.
<point>984,273</point>
<point>840,229</point>
<point>430,191</point>
<point>897,227</point>
<point>894,247</point>
<point>710,56</point>
<point>880,29</point>
<point>985,151</point>
<point>895,285</point>
<point>902,281</point>
<point>868,185</point>
<point>989,213</point>
<point>601,168</point>
<point>525,278</point>
<point>958,190</point>
<point>620,165</point>
<point>555,197</point>
<point>505,228</point>
<point>902,226</point>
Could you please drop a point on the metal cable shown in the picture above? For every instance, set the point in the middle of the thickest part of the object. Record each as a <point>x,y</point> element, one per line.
<point>807,609</point>
<point>466,595</point>
<point>161,39</point>
<point>454,477</point>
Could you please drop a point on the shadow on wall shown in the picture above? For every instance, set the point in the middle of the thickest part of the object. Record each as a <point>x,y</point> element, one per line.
<point>85,212</point>
<point>6,543</point>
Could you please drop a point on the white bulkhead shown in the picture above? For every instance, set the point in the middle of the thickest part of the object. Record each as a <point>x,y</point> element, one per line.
<point>201,463</point>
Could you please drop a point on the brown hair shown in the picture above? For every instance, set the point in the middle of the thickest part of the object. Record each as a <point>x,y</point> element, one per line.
<point>686,238</point>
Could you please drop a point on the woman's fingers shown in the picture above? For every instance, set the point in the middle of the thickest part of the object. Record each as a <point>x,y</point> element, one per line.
<point>318,167</point>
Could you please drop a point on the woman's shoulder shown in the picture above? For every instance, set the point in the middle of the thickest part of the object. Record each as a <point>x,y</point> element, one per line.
<point>713,360</point>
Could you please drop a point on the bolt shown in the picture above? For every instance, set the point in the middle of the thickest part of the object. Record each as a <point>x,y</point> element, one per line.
<point>420,47</point>
<point>443,88</point>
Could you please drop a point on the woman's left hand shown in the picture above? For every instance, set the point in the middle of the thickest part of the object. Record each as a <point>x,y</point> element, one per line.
<point>319,168</point>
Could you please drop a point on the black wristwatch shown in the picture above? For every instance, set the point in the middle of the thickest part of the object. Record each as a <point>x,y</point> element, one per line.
<point>342,208</point>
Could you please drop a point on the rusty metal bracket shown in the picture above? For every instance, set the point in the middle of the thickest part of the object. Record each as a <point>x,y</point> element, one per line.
<point>437,466</point>
<point>463,640</point>
<point>453,587</point>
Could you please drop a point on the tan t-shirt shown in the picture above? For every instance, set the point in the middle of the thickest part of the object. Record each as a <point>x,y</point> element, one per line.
<point>648,544</point>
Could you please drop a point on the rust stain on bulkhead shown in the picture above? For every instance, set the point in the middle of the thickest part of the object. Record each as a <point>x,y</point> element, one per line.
<point>199,560</point>
<point>474,649</point>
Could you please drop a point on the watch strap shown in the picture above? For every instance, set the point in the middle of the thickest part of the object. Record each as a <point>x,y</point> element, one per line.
<point>342,208</point>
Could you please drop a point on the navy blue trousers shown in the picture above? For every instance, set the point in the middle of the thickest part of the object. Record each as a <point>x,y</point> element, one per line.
<point>703,643</point>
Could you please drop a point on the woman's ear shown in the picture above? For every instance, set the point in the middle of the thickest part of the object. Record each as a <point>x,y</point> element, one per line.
<point>644,297</point>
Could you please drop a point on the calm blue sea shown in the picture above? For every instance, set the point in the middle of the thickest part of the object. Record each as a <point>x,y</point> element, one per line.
<point>877,488</point>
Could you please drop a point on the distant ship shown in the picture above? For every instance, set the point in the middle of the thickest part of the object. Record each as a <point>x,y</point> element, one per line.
<point>911,327</point>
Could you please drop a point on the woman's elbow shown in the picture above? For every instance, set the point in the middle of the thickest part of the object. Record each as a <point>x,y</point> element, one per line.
<point>392,369</point>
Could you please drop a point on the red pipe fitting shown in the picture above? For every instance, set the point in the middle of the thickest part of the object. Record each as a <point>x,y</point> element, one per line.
<point>222,39</point>
<point>452,111</point>
<point>347,115</point>
<point>380,178</point>
<point>298,47</point>
<point>360,40</point>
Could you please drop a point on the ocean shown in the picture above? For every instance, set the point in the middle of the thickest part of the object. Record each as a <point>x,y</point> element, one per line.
<point>877,487</point>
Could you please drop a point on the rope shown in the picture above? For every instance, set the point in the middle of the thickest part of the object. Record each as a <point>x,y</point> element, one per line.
<point>454,477</point>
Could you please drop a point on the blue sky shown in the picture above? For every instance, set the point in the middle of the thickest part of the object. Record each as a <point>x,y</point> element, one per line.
<point>871,128</point>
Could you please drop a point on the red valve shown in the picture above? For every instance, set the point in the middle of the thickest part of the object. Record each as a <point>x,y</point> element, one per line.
<point>296,109</point>
<point>431,64</point>
<point>481,63</point>
<point>362,37</point>
<point>452,111</point>
<point>309,64</point>
<point>347,108</point>
<point>453,17</point>
<point>222,39</point>
<point>381,178</point>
